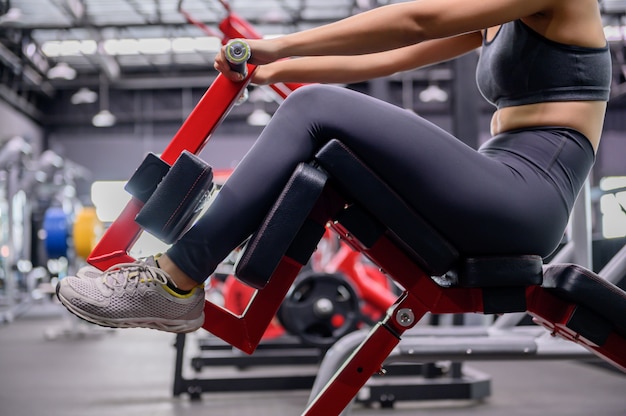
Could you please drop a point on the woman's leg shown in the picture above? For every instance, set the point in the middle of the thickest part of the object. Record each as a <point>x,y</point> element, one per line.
<point>507,199</point>
<point>405,149</point>
<point>146,294</point>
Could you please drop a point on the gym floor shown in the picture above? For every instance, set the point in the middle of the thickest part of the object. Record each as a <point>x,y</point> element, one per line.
<point>44,371</point>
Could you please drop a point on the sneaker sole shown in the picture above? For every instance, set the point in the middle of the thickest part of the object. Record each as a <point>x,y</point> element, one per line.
<point>177,327</point>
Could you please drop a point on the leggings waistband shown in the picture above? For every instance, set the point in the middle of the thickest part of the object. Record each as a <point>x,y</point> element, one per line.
<point>556,131</point>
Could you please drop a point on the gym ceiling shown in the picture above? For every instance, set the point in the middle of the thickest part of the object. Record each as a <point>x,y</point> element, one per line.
<point>152,44</point>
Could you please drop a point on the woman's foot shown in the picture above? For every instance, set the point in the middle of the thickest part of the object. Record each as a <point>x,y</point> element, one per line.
<point>133,295</point>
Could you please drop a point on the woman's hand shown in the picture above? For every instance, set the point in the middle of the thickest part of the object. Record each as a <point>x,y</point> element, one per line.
<point>261,52</point>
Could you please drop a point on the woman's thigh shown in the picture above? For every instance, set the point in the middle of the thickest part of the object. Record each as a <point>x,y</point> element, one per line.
<point>480,203</point>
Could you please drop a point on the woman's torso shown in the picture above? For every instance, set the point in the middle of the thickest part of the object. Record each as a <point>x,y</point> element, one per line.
<point>585,30</point>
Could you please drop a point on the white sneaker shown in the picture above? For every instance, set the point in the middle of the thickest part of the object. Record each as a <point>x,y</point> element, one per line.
<point>132,295</point>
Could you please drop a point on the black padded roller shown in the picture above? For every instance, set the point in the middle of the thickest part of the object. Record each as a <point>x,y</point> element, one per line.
<point>177,200</point>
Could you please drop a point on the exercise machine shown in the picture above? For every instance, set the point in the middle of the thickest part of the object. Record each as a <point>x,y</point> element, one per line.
<point>503,339</point>
<point>337,191</point>
<point>123,233</point>
<point>570,301</point>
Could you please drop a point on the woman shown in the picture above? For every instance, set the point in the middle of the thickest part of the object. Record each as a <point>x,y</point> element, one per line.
<point>544,64</point>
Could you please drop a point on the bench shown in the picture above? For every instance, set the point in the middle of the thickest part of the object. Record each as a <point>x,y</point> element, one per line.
<point>338,191</point>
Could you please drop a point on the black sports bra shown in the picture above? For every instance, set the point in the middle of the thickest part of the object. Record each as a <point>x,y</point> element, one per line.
<point>519,66</point>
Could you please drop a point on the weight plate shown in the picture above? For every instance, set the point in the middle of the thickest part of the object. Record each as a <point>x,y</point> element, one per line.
<point>55,225</point>
<point>320,308</point>
<point>86,231</point>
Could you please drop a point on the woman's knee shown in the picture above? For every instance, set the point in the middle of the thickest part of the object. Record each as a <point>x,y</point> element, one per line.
<point>311,97</point>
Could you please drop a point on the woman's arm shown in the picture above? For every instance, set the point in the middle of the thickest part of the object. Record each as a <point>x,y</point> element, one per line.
<point>403,24</point>
<point>349,69</point>
<point>390,27</point>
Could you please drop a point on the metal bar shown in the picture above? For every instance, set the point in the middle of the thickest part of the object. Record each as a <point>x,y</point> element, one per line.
<point>193,135</point>
<point>294,356</point>
<point>179,344</point>
<point>245,331</point>
<point>581,228</point>
<point>248,383</point>
<point>615,270</point>
<point>368,358</point>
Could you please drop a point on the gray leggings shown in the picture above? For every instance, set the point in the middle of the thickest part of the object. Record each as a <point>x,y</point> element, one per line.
<point>512,196</point>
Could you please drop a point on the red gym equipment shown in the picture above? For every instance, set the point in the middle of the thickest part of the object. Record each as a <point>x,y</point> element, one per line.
<point>372,219</point>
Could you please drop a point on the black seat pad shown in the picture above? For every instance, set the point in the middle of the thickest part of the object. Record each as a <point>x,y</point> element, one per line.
<point>579,285</point>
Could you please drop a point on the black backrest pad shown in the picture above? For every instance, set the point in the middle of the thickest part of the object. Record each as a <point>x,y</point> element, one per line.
<point>285,229</point>
<point>581,286</point>
<point>425,244</point>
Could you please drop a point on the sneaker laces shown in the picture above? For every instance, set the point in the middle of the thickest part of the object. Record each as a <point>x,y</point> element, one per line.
<point>129,274</point>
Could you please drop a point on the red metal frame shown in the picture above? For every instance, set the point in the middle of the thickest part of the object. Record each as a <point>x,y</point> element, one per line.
<point>193,135</point>
<point>243,331</point>
<point>421,295</point>
<point>554,313</point>
<point>370,283</point>
<point>212,108</point>
<point>195,132</point>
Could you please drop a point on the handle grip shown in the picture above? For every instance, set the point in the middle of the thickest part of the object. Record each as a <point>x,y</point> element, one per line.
<point>237,55</point>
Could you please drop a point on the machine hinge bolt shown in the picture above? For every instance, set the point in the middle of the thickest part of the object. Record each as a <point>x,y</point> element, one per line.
<point>405,317</point>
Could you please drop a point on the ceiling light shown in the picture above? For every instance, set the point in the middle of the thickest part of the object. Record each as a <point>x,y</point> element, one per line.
<point>259,117</point>
<point>103,119</point>
<point>84,96</point>
<point>62,71</point>
<point>433,93</point>
<point>55,48</point>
